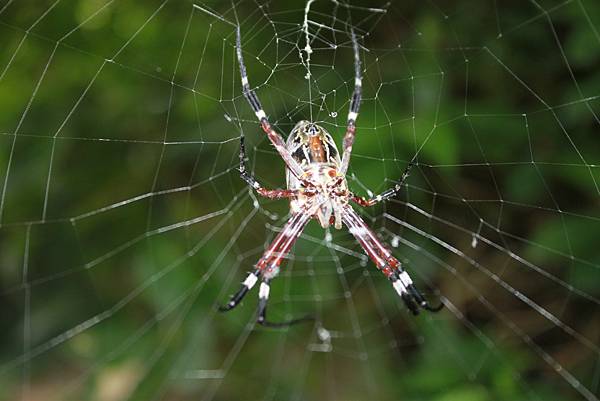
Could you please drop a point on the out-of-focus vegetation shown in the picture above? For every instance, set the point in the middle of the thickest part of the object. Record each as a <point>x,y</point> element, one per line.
<point>123,220</point>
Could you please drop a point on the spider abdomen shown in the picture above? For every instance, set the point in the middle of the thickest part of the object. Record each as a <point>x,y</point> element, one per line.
<point>310,143</point>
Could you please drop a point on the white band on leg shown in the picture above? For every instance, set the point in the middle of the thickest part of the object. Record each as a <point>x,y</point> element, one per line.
<point>399,287</point>
<point>405,278</point>
<point>250,280</point>
<point>263,293</point>
<point>260,114</point>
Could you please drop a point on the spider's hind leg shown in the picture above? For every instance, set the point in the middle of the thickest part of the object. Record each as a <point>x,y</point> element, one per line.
<point>263,297</point>
<point>268,267</point>
<point>238,296</point>
<point>388,264</point>
<point>423,303</point>
<point>412,297</point>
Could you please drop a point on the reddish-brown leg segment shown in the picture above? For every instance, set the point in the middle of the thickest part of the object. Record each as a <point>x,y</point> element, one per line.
<point>268,267</point>
<point>279,144</point>
<point>271,260</point>
<point>386,262</point>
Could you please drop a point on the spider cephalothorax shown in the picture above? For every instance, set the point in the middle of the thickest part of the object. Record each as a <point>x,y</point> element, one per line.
<point>317,188</point>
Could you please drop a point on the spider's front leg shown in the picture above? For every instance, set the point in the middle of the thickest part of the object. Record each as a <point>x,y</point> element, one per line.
<point>353,109</point>
<point>254,102</point>
<point>268,267</point>
<point>388,264</point>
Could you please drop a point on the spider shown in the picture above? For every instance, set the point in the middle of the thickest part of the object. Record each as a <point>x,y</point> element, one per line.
<point>317,188</point>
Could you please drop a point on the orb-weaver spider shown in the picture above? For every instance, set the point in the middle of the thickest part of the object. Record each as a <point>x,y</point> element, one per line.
<point>317,188</point>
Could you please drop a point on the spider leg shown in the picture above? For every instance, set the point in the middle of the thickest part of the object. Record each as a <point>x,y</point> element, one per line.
<point>353,110</point>
<point>254,102</point>
<point>388,264</point>
<point>257,186</point>
<point>238,296</point>
<point>388,193</point>
<point>268,267</point>
<point>263,297</point>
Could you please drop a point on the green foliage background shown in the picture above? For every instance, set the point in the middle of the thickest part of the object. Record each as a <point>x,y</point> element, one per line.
<point>124,222</point>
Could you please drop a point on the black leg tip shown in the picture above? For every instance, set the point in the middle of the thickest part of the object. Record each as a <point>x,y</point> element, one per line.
<point>280,325</point>
<point>417,300</point>
<point>410,304</point>
<point>227,307</point>
<point>425,305</point>
<point>235,299</point>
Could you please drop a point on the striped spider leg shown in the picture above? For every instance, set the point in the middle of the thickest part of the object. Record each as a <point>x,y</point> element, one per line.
<point>386,263</point>
<point>254,102</point>
<point>353,110</point>
<point>268,267</point>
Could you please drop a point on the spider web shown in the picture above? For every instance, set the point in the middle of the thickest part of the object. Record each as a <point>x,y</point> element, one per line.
<point>123,221</point>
